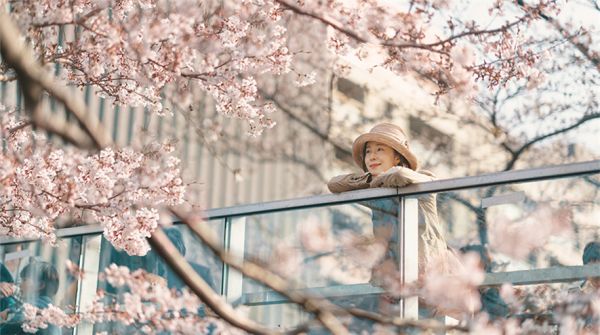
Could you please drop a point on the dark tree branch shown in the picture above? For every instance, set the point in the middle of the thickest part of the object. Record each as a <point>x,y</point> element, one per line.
<point>320,307</point>
<point>454,196</point>
<point>324,310</point>
<point>162,245</point>
<point>592,181</point>
<point>35,80</point>
<point>517,154</point>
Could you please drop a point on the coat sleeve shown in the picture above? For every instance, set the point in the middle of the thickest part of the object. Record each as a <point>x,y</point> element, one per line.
<point>401,176</point>
<point>349,182</point>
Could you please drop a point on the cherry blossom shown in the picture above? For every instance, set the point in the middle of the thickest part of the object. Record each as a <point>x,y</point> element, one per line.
<point>223,46</point>
<point>520,237</point>
<point>120,48</point>
<point>143,52</point>
<point>45,187</point>
<point>150,307</point>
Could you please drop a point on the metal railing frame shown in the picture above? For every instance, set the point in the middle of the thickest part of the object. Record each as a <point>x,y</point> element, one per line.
<point>443,185</point>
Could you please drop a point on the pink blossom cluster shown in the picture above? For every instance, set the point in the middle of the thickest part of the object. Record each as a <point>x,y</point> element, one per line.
<point>145,303</point>
<point>453,288</point>
<point>39,318</point>
<point>518,238</point>
<point>435,39</point>
<point>44,187</point>
<point>132,50</point>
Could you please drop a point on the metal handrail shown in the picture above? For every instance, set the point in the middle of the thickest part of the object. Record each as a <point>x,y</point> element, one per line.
<point>444,185</point>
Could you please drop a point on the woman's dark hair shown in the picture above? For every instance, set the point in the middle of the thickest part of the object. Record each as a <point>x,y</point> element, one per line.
<point>42,273</point>
<point>403,161</point>
<point>591,253</point>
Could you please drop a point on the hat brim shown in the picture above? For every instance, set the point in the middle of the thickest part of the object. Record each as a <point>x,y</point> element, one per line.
<point>360,142</point>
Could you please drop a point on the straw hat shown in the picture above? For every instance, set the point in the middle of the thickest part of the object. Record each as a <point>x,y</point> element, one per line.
<point>388,134</point>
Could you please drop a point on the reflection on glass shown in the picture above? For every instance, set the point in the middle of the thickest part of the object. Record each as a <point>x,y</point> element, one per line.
<point>328,252</point>
<point>525,226</point>
<point>314,247</point>
<point>37,274</point>
<point>206,265</point>
<point>198,256</point>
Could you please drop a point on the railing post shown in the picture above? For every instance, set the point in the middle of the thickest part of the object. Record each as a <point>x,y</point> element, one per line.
<point>234,242</point>
<point>409,252</point>
<point>88,285</point>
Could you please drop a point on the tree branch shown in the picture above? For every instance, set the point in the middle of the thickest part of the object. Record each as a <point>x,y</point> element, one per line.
<point>584,49</point>
<point>320,307</point>
<point>324,310</point>
<point>162,245</point>
<point>591,181</point>
<point>431,325</point>
<point>31,75</point>
<point>427,46</point>
<point>459,199</point>
<point>518,152</point>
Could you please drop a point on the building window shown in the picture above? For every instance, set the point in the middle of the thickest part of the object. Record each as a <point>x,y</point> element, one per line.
<point>428,135</point>
<point>351,90</point>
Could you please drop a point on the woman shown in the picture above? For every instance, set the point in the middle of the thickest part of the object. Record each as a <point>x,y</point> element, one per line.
<point>384,156</point>
<point>39,283</point>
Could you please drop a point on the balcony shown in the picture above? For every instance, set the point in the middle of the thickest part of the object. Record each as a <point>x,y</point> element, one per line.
<point>324,244</point>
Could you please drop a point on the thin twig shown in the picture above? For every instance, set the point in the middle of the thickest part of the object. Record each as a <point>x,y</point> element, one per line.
<point>329,21</point>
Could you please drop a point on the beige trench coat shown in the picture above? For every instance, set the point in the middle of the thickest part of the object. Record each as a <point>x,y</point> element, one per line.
<point>431,240</point>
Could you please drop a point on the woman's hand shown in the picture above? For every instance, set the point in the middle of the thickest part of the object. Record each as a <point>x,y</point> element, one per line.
<point>399,176</point>
<point>7,289</point>
<point>394,177</point>
<point>349,182</point>
<point>4,314</point>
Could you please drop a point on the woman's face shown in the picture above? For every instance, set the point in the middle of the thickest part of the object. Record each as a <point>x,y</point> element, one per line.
<point>380,158</point>
<point>29,287</point>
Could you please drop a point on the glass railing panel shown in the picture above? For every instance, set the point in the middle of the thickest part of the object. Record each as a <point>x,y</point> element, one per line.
<point>198,255</point>
<point>38,274</point>
<point>201,259</point>
<point>526,225</point>
<point>523,226</point>
<point>529,227</point>
<point>330,251</point>
<point>326,252</point>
